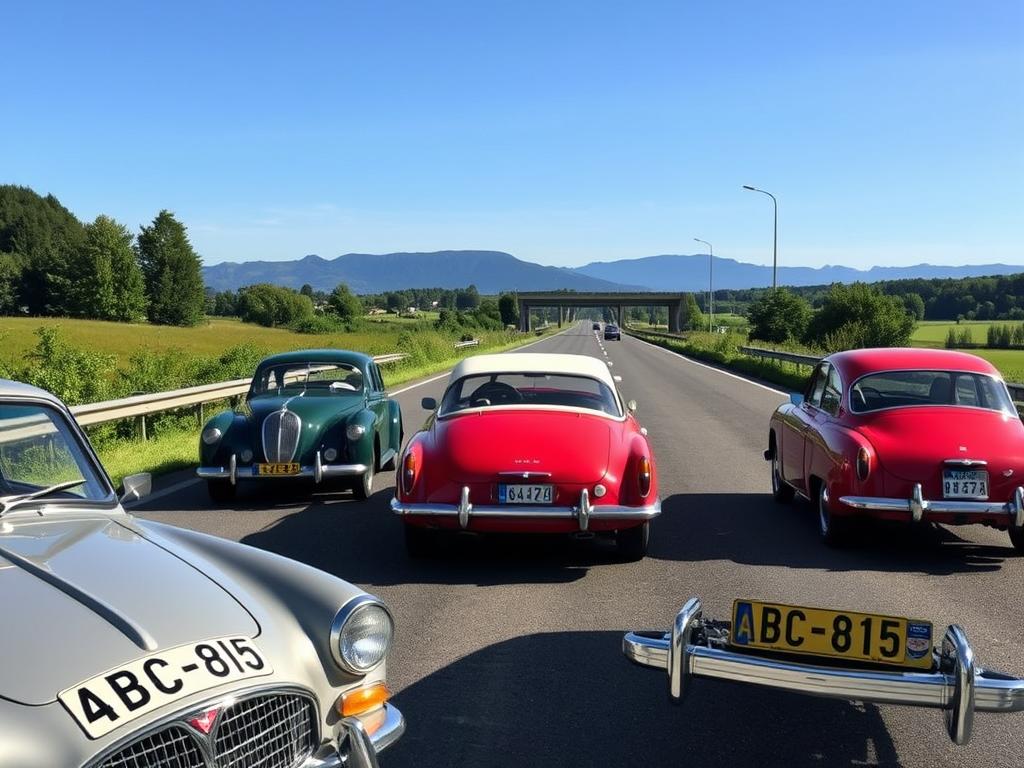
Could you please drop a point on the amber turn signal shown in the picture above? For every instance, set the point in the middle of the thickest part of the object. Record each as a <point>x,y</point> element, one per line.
<point>363,699</point>
<point>644,476</point>
<point>408,472</point>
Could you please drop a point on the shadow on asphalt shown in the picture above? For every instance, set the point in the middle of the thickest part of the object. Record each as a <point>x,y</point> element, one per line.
<point>363,542</point>
<point>571,699</point>
<point>754,530</point>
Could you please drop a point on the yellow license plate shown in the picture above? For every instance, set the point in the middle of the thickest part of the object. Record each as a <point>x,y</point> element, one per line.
<point>835,634</point>
<point>291,468</point>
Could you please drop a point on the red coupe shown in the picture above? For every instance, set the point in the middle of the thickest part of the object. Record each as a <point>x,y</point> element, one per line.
<point>526,442</point>
<point>902,434</point>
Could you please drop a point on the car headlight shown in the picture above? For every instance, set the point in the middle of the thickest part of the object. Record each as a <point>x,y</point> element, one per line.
<point>355,431</point>
<point>211,435</point>
<point>361,634</point>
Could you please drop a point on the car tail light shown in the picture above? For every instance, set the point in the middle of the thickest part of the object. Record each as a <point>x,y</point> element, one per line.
<point>408,472</point>
<point>644,476</point>
<point>863,464</point>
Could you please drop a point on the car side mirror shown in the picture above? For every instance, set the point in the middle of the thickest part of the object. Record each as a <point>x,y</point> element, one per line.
<point>617,379</point>
<point>631,405</point>
<point>428,403</point>
<point>134,487</point>
<point>796,398</point>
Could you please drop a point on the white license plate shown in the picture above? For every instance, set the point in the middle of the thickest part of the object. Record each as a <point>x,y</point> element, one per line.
<point>526,494</point>
<point>964,484</point>
<point>121,695</point>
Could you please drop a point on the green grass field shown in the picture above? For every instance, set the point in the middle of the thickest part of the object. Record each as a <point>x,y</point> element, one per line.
<point>216,335</point>
<point>932,333</point>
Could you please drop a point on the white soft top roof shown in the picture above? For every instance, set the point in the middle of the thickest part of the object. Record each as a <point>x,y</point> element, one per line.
<point>534,362</point>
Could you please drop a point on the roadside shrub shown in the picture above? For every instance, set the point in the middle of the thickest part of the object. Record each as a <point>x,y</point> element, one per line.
<point>74,375</point>
<point>319,324</point>
<point>860,316</point>
<point>779,316</point>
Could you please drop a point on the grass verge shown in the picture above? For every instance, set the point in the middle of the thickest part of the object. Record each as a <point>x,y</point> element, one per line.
<point>724,354</point>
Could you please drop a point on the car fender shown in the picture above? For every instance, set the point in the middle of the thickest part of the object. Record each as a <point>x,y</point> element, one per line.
<point>396,429</point>
<point>226,422</point>
<point>361,451</point>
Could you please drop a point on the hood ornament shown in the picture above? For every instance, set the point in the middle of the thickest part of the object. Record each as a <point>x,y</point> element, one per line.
<point>204,721</point>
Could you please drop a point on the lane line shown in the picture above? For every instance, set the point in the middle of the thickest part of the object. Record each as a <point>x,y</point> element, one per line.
<point>680,356</point>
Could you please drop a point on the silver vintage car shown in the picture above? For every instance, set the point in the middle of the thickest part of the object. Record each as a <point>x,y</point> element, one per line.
<point>131,644</point>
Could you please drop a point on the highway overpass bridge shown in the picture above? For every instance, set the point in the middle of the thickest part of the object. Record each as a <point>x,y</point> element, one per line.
<point>568,302</point>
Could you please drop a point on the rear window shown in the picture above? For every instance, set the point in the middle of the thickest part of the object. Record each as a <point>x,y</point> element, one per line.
<point>536,389</point>
<point>307,379</point>
<point>900,389</point>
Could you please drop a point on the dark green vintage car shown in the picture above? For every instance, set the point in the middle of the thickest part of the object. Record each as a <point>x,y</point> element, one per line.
<point>318,414</point>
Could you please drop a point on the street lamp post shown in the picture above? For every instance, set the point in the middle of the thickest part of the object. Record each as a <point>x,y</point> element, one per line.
<point>775,231</point>
<point>711,282</point>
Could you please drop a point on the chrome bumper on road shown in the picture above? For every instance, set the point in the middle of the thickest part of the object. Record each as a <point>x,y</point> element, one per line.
<point>918,506</point>
<point>318,471</point>
<point>958,686</point>
<point>584,512</point>
<point>360,739</point>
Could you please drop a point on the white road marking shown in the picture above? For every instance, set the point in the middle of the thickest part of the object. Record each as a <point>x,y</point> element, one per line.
<point>163,492</point>
<point>681,356</point>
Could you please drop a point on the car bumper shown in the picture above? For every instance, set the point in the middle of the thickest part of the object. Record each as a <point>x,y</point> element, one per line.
<point>918,508</point>
<point>317,472</point>
<point>360,739</point>
<point>584,512</point>
<point>958,686</point>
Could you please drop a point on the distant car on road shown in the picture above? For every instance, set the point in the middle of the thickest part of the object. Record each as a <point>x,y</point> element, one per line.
<point>314,414</point>
<point>525,442</point>
<point>597,327</point>
<point>133,643</point>
<point>902,434</point>
<point>611,331</point>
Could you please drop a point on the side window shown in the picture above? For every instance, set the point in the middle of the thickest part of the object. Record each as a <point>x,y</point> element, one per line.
<point>817,385</point>
<point>967,391</point>
<point>833,393</point>
<point>376,383</point>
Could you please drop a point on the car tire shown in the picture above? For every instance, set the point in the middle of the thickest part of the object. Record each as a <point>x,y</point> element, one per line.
<point>419,542</point>
<point>1017,538</point>
<point>632,542</point>
<point>834,530</point>
<point>363,485</point>
<point>782,492</point>
<point>221,491</point>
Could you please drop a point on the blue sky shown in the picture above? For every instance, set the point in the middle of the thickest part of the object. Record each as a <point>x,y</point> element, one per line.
<point>562,132</point>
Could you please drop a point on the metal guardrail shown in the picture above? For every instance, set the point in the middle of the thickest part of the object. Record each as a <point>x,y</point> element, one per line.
<point>1016,389</point>
<point>470,343</point>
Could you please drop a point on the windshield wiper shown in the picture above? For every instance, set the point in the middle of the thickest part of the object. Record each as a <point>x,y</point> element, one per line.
<point>7,503</point>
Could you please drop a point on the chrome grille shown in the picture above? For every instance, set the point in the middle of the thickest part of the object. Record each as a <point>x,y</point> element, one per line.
<point>281,436</point>
<point>170,748</point>
<point>272,731</point>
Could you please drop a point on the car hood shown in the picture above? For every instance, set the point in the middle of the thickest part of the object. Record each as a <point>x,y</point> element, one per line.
<point>573,447</point>
<point>77,590</point>
<point>318,410</point>
<point>912,443</point>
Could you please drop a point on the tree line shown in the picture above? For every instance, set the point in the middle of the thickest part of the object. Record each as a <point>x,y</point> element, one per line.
<point>53,264</point>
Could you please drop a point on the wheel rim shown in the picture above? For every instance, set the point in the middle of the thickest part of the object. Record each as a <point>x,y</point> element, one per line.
<point>823,516</point>
<point>776,483</point>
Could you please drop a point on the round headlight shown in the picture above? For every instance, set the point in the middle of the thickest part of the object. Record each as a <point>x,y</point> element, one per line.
<point>211,435</point>
<point>361,634</point>
<point>330,454</point>
<point>245,455</point>
<point>355,431</point>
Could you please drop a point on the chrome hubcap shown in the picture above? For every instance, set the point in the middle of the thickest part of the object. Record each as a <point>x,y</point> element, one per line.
<point>823,521</point>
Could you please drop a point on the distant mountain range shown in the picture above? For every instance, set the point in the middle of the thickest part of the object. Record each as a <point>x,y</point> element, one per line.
<point>495,271</point>
<point>490,271</point>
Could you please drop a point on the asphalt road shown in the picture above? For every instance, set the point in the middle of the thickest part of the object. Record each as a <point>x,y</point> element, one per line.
<point>508,650</point>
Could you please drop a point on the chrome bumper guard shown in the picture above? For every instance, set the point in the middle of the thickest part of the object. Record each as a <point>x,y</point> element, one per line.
<point>918,506</point>
<point>697,647</point>
<point>318,471</point>
<point>584,512</point>
<point>360,739</point>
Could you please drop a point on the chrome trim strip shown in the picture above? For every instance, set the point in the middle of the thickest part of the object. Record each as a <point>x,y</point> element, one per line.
<point>327,471</point>
<point>959,686</point>
<point>918,506</point>
<point>965,462</point>
<point>596,512</point>
<point>524,474</point>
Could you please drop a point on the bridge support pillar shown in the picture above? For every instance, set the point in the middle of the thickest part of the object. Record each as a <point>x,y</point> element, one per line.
<point>524,316</point>
<point>675,312</point>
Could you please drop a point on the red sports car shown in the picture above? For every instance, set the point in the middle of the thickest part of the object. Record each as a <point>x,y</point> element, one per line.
<point>538,443</point>
<point>902,434</point>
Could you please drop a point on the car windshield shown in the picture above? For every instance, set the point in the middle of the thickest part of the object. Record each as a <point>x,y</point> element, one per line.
<point>900,389</point>
<point>39,449</point>
<point>307,379</point>
<point>533,389</point>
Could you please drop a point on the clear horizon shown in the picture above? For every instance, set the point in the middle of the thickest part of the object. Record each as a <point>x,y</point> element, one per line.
<point>560,133</point>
